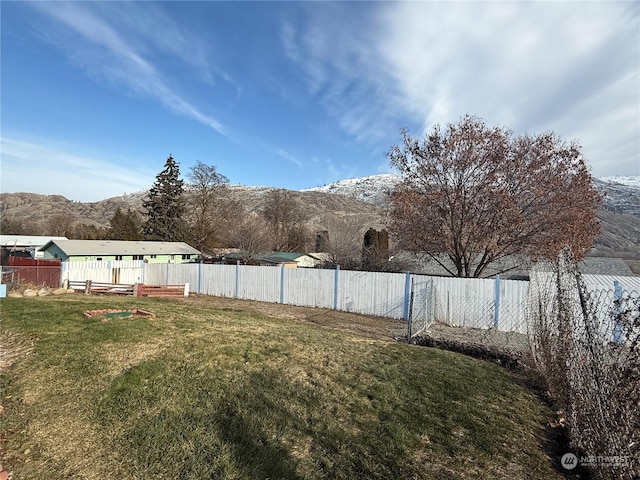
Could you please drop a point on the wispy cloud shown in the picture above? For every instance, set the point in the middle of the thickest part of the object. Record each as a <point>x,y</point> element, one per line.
<point>327,170</point>
<point>290,157</point>
<point>123,53</point>
<point>29,166</point>
<point>530,66</point>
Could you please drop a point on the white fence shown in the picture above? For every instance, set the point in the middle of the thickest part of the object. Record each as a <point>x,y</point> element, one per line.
<point>468,302</point>
<point>599,297</point>
<point>419,298</point>
<point>121,271</point>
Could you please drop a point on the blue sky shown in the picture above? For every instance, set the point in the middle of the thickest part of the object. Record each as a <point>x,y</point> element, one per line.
<point>95,96</point>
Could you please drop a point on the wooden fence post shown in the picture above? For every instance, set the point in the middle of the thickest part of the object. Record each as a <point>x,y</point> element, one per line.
<point>87,287</point>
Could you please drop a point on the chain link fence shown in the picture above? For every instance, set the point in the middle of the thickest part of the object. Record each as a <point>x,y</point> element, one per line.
<point>585,341</point>
<point>471,303</point>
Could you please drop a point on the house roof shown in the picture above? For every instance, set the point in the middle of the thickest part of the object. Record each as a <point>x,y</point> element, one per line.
<point>292,256</point>
<point>120,247</point>
<point>605,266</point>
<point>515,267</point>
<point>24,241</point>
<point>275,258</point>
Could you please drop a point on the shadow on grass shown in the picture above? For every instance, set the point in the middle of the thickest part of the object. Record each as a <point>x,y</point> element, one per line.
<point>253,451</point>
<point>208,428</point>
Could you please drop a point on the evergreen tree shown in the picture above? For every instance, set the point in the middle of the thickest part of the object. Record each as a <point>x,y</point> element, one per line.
<point>165,206</point>
<point>125,226</point>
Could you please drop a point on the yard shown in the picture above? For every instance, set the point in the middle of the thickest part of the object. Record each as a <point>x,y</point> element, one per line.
<point>219,388</point>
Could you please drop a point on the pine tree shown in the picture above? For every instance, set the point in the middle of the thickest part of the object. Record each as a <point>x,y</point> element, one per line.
<point>125,226</point>
<point>165,206</point>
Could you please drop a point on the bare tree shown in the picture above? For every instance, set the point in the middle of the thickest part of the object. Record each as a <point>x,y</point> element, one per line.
<point>206,201</point>
<point>286,221</point>
<point>473,195</point>
<point>250,235</point>
<point>344,237</point>
<point>10,225</point>
<point>61,225</point>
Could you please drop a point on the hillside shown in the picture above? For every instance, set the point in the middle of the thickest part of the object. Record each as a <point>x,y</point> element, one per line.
<point>619,215</point>
<point>318,208</point>
<point>360,201</point>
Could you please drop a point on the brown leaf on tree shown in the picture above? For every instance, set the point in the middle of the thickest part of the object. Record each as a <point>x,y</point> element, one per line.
<point>472,195</point>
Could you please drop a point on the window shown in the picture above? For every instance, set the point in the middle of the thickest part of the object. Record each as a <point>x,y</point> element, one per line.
<point>153,256</point>
<point>138,257</point>
<point>118,257</point>
<point>186,257</point>
<point>98,259</point>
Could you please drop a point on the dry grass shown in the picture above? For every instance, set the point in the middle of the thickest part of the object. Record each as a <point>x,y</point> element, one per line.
<point>227,389</point>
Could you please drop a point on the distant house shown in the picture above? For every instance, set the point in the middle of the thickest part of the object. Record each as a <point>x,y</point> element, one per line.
<point>110,250</point>
<point>263,260</point>
<point>605,266</point>
<point>301,259</point>
<point>277,259</point>
<point>23,245</point>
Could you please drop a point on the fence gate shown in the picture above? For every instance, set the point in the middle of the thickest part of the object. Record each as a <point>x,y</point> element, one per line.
<point>421,306</point>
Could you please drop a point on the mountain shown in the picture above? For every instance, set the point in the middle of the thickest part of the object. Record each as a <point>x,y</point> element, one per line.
<point>620,194</point>
<point>359,201</point>
<point>319,208</point>
<point>619,214</point>
<point>629,181</point>
<point>372,189</point>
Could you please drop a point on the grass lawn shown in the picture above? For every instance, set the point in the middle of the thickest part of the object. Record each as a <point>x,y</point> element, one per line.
<point>209,390</point>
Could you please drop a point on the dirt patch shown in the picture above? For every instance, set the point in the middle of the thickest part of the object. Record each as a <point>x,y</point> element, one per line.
<point>367,326</point>
<point>509,349</point>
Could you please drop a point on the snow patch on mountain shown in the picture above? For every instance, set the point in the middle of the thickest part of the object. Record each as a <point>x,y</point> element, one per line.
<point>372,189</point>
<point>620,194</point>
<point>620,197</point>
<point>630,181</point>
